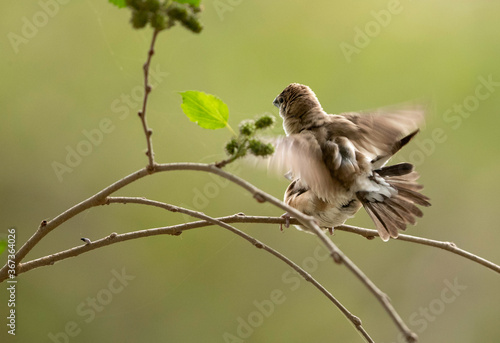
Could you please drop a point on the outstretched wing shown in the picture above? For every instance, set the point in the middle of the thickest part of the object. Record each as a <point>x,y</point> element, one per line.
<point>377,133</point>
<point>301,154</point>
<point>328,168</point>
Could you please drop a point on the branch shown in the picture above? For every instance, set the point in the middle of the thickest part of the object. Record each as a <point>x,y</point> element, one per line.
<point>142,114</point>
<point>113,238</point>
<point>340,257</point>
<point>46,227</point>
<point>355,320</point>
<point>261,196</point>
<point>177,230</point>
<point>448,246</point>
<point>100,198</point>
<point>337,255</point>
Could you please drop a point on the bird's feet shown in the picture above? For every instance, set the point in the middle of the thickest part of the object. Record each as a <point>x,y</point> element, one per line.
<point>287,217</point>
<point>330,229</point>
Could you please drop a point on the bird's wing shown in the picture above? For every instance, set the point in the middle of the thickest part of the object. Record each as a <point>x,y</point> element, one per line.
<point>301,154</point>
<point>377,133</point>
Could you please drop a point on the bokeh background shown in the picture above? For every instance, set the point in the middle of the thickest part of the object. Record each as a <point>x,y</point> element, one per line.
<point>84,64</point>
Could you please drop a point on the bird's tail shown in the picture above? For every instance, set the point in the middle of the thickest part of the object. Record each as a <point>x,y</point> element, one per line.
<point>394,212</point>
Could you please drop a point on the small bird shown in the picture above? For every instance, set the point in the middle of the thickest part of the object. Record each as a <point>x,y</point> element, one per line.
<point>337,162</point>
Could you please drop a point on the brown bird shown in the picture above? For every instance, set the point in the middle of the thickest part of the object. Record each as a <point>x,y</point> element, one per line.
<point>337,162</point>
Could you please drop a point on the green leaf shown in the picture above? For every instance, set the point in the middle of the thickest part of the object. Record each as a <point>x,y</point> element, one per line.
<point>191,2</point>
<point>3,245</point>
<point>118,3</point>
<point>206,110</point>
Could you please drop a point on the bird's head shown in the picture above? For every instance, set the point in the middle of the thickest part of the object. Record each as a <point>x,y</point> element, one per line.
<point>295,103</point>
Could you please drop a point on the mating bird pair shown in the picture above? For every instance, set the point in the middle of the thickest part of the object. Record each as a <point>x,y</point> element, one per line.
<point>337,162</point>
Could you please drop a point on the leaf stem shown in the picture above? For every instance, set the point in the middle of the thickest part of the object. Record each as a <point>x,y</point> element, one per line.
<point>231,130</point>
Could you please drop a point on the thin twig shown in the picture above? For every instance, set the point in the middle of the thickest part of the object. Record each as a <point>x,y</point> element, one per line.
<point>142,114</point>
<point>448,246</point>
<point>223,163</point>
<point>47,226</point>
<point>242,218</point>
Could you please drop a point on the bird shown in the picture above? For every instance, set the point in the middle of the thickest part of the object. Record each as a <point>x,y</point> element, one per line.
<point>337,162</point>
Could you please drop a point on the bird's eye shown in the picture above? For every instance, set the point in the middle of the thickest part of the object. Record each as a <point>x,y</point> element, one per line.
<point>280,100</point>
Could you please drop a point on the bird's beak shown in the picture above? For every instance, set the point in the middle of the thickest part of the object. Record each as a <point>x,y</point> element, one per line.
<point>276,103</point>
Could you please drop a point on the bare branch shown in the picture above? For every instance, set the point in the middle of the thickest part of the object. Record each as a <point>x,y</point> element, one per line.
<point>340,257</point>
<point>207,220</point>
<point>381,297</point>
<point>142,114</point>
<point>355,320</point>
<point>448,246</point>
<point>240,218</point>
<point>100,198</point>
<point>337,255</point>
<point>47,226</point>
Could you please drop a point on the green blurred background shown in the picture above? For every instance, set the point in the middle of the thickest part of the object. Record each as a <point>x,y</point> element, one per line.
<point>83,63</point>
